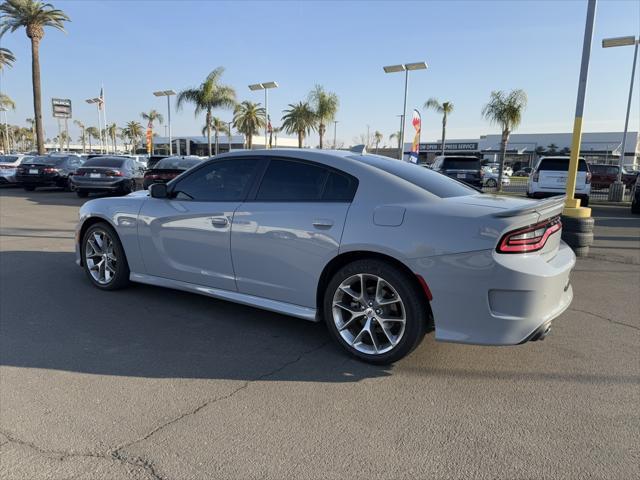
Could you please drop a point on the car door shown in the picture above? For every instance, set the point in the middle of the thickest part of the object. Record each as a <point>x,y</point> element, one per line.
<point>187,237</point>
<point>282,238</point>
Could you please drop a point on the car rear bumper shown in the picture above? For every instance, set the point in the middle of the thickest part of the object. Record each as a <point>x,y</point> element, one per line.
<point>488,298</point>
<point>578,194</point>
<point>87,185</point>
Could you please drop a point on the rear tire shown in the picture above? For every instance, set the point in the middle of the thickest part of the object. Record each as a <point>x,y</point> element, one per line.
<point>104,260</point>
<point>491,183</point>
<point>635,207</point>
<point>29,188</point>
<point>390,295</point>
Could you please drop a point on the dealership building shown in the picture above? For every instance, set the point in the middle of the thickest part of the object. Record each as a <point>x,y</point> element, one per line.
<point>526,148</point>
<point>199,145</point>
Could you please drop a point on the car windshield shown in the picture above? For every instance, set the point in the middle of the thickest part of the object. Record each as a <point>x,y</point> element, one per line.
<point>433,182</point>
<point>560,165</point>
<point>42,160</point>
<point>104,162</point>
<point>461,163</point>
<point>176,163</point>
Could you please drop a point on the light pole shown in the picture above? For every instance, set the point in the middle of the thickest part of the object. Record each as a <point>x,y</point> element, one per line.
<point>400,145</point>
<point>616,191</point>
<point>335,130</point>
<point>168,94</point>
<point>265,86</point>
<point>404,67</point>
<point>97,102</point>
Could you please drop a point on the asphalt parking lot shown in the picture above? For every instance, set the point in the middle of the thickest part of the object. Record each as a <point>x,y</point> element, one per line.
<point>148,383</point>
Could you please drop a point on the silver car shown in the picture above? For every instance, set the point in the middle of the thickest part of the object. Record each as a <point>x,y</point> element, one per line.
<point>382,250</point>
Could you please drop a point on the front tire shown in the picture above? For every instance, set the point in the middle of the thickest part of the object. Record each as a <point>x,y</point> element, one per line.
<point>103,258</point>
<point>375,311</point>
<point>491,183</point>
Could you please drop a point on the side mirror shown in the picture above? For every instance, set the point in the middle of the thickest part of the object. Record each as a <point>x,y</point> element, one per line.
<point>158,190</point>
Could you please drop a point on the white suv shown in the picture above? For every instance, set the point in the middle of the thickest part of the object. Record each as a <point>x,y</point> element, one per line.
<point>549,178</point>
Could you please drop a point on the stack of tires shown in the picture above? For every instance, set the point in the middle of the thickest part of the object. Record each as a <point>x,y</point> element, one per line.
<point>578,234</point>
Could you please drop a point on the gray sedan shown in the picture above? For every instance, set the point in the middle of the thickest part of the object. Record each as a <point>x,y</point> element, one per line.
<point>382,250</point>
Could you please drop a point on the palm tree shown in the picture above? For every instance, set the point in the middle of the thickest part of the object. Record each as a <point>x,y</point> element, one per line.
<point>7,59</point>
<point>553,148</point>
<point>133,131</point>
<point>505,109</point>
<point>248,118</point>
<point>397,136</point>
<point>92,132</point>
<point>112,133</point>
<point>325,105</point>
<point>33,15</point>
<point>208,96</point>
<point>83,136</point>
<point>217,125</point>
<point>377,136</point>
<point>299,119</point>
<point>152,117</point>
<point>6,103</point>
<point>444,108</point>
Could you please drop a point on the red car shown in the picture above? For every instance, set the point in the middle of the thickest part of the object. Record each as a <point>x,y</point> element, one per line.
<point>604,175</point>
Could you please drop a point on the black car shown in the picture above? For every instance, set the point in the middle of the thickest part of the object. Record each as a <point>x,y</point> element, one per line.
<point>107,174</point>
<point>168,169</point>
<point>464,169</point>
<point>635,196</point>
<point>46,171</point>
<point>153,159</point>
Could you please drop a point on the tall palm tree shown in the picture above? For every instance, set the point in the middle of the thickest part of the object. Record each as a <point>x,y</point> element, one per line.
<point>83,135</point>
<point>505,110</point>
<point>33,15</point>
<point>208,96</point>
<point>217,125</point>
<point>134,132</point>
<point>299,119</point>
<point>7,58</point>
<point>377,136</point>
<point>445,109</point>
<point>325,105</point>
<point>248,118</point>
<point>92,132</point>
<point>112,133</point>
<point>152,117</point>
<point>396,135</point>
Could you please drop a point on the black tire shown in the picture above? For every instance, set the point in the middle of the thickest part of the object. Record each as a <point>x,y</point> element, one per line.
<point>121,276</point>
<point>29,188</point>
<point>68,186</point>
<point>581,251</point>
<point>417,311</point>
<point>584,202</point>
<point>82,193</point>
<point>577,239</point>
<point>635,207</point>
<point>492,183</point>
<point>581,225</point>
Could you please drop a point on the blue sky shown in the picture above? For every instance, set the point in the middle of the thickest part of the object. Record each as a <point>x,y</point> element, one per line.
<point>472,47</point>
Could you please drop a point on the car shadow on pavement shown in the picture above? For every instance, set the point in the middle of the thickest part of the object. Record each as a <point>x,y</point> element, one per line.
<point>48,196</point>
<point>51,317</point>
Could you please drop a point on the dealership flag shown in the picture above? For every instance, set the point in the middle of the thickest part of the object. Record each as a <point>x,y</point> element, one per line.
<point>415,147</point>
<point>149,137</point>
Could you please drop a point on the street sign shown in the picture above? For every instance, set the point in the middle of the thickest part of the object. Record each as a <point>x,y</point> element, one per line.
<point>61,107</point>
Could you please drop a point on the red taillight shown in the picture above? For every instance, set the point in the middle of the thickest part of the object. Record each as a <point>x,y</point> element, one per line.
<point>50,170</point>
<point>529,239</point>
<point>535,175</point>
<point>588,178</point>
<point>78,174</point>
<point>114,173</point>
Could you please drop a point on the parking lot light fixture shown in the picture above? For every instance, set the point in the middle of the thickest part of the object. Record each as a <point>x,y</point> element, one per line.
<point>265,86</point>
<point>404,67</point>
<point>168,94</point>
<point>616,191</point>
<point>97,101</point>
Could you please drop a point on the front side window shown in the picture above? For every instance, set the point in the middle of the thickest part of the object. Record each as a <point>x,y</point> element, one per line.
<point>224,181</point>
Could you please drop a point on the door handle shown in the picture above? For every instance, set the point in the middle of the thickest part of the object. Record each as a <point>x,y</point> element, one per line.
<point>219,221</point>
<point>323,223</point>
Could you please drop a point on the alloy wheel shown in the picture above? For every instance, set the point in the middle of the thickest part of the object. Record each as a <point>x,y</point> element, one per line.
<point>369,314</point>
<point>100,256</point>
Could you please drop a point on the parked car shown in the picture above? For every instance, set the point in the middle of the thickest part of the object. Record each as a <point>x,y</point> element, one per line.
<point>490,178</point>
<point>168,169</point>
<point>383,251</point>
<point>496,168</point>
<point>107,174</point>
<point>9,167</point>
<point>48,170</point>
<point>549,178</point>
<point>464,169</point>
<point>602,176</point>
<point>525,172</point>
<point>635,196</point>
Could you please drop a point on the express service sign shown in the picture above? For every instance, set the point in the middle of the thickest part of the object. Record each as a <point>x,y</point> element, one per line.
<point>437,147</point>
<point>61,107</point>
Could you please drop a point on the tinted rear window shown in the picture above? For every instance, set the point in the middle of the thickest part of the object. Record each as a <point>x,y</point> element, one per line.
<point>461,163</point>
<point>176,163</point>
<point>46,161</point>
<point>560,165</point>
<point>8,158</point>
<point>433,182</point>
<point>104,162</point>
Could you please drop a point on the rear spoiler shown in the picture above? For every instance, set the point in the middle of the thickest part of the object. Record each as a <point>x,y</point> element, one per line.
<point>542,207</point>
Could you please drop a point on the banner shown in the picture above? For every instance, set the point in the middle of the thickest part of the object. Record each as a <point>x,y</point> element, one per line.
<point>415,147</point>
<point>149,138</point>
